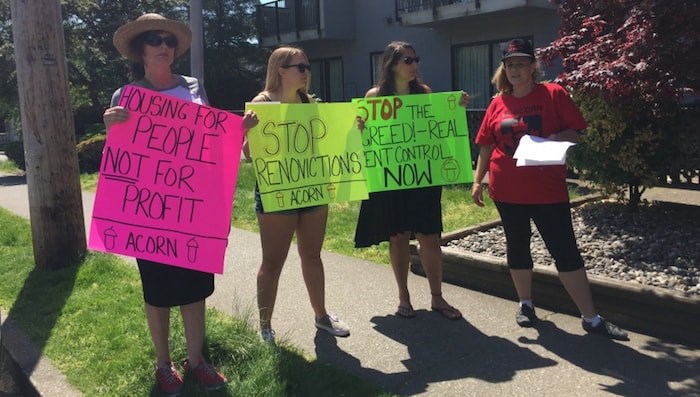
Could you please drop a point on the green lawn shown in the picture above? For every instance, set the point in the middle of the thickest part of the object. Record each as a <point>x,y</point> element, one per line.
<point>89,321</point>
<point>9,167</point>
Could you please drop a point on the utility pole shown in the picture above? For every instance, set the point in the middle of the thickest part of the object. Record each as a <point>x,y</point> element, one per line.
<point>197,46</point>
<point>53,177</point>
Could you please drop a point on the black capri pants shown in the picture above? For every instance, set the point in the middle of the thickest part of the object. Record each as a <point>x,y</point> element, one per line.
<point>553,221</point>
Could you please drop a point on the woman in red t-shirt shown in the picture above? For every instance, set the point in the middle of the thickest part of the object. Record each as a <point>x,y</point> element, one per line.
<point>537,193</point>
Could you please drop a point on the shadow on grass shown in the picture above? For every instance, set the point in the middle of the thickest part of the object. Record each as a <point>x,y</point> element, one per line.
<point>464,352</point>
<point>638,374</point>
<point>38,306</point>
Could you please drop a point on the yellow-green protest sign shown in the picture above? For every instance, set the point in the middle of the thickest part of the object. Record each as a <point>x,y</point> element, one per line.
<point>415,141</point>
<point>306,154</point>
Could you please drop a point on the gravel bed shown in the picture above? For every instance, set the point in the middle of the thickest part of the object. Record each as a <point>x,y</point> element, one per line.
<point>659,246</point>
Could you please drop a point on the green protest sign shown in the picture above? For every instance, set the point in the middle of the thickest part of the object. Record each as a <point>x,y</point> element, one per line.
<point>306,154</point>
<point>414,141</point>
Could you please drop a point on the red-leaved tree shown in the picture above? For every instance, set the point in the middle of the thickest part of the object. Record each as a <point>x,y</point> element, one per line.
<point>632,66</point>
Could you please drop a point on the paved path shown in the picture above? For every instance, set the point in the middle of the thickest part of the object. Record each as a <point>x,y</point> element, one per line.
<point>486,354</point>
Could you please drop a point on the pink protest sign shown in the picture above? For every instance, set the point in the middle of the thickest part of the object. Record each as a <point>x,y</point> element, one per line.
<point>167,181</point>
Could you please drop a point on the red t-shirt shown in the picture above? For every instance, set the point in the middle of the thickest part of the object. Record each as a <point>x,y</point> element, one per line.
<point>546,110</point>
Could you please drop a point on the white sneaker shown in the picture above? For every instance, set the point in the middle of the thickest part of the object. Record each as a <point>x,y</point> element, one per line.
<point>333,325</point>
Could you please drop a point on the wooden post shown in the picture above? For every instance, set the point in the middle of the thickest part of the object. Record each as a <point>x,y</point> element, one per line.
<point>53,177</point>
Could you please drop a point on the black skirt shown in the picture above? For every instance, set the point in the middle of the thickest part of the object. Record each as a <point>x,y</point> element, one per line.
<point>168,286</point>
<point>385,214</point>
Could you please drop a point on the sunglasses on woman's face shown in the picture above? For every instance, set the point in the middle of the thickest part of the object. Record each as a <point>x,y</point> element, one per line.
<point>410,60</point>
<point>155,40</point>
<point>301,67</point>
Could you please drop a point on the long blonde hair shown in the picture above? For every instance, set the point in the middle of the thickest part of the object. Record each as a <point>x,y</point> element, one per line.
<point>279,58</point>
<point>503,86</point>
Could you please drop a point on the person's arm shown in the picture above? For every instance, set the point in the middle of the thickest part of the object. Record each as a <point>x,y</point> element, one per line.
<point>482,164</point>
<point>464,99</point>
<point>372,92</point>
<point>252,121</point>
<point>115,114</point>
<point>571,119</point>
<point>246,150</point>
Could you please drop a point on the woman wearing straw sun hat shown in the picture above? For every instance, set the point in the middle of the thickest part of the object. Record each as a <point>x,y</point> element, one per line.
<point>152,43</point>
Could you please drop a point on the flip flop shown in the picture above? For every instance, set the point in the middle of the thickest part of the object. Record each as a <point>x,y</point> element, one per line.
<point>405,311</point>
<point>448,312</point>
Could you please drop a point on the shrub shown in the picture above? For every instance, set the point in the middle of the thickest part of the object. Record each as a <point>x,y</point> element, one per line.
<point>15,152</point>
<point>90,153</point>
<point>92,130</point>
<point>626,62</point>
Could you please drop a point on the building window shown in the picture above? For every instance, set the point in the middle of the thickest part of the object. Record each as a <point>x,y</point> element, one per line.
<point>474,65</point>
<point>327,79</point>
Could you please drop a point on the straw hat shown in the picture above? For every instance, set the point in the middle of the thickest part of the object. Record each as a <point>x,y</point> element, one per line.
<point>147,22</point>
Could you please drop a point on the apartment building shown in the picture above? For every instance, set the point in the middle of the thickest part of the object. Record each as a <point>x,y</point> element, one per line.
<point>459,41</point>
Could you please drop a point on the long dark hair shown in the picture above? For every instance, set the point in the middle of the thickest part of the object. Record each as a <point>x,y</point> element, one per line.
<point>392,55</point>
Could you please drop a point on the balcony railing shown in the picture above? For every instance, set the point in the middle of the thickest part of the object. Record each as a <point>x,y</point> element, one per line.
<point>403,6</point>
<point>428,12</point>
<point>275,18</point>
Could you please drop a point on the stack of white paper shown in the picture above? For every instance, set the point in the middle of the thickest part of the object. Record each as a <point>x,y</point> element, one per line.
<point>533,150</point>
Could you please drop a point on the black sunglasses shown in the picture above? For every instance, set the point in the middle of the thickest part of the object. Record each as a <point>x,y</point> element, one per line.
<point>301,67</point>
<point>410,60</point>
<point>155,40</point>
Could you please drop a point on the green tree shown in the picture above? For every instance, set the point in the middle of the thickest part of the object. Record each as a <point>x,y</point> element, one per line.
<point>96,69</point>
<point>629,66</point>
<point>9,106</point>
<point>234,65</point>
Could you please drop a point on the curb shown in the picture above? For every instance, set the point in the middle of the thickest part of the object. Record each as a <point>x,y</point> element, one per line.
<point>649,310</point>
<point>35,375</point>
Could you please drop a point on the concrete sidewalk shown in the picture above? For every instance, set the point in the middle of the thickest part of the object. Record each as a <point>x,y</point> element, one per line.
<point>483,355</point>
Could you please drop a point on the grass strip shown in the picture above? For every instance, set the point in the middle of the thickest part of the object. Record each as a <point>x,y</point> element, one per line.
<point>89,321</point>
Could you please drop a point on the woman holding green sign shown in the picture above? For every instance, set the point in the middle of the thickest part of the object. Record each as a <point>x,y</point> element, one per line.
<point>399,215</point>
<point>287,81</point>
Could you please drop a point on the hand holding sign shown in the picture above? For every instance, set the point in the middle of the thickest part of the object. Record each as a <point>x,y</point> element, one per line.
<point>306,154</point>
<point>167,180</point>
<point>415,140</point>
